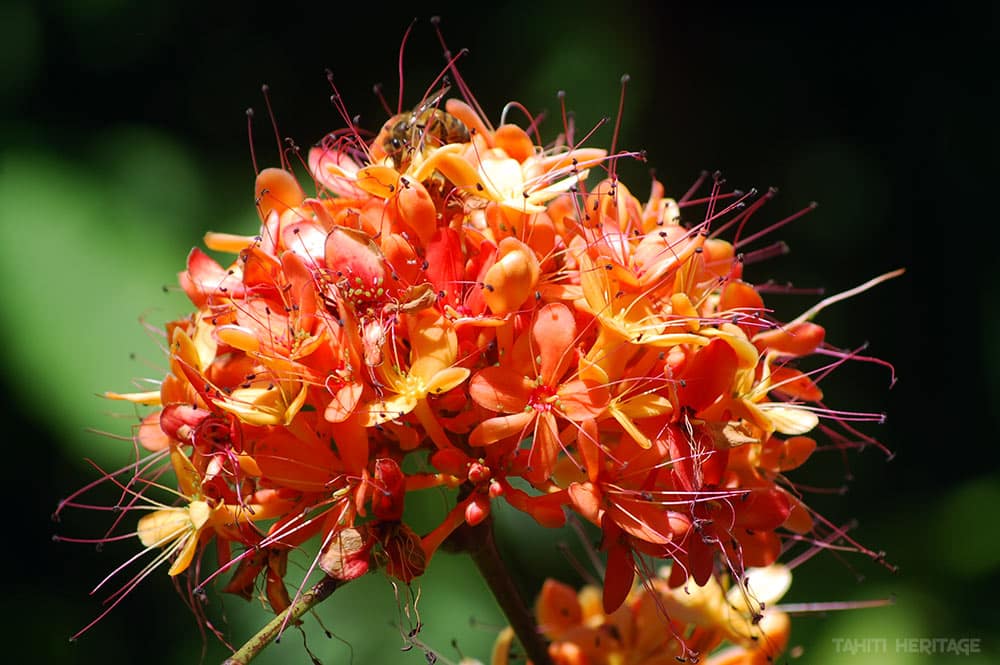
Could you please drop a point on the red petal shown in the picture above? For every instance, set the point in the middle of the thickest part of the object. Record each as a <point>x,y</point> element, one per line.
<point>547,509</point>
<point>701,558</point>
<point>764,509</point>
<point>204,276</point>
<point>355,255</point>
<point>759,548</point>
<point>445,264</point>
<point>618,576</point>
<point>389,490</point>
<point>451,461</point>
<point>708,374</point>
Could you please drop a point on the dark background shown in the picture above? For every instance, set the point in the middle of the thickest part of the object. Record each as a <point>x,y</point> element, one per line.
<point>124,138</point>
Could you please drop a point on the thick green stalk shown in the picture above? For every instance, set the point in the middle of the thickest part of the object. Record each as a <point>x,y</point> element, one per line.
<point>305,602</point>
<point>480,543</point>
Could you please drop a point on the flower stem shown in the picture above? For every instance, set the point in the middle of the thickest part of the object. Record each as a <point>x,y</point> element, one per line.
<point>305,602</point>
<point>479,542</point>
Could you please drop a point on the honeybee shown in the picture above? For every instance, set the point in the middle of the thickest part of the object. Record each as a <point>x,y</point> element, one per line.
<point>417,131</point>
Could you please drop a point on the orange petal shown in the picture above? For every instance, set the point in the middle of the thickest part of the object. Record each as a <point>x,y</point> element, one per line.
<point>493,429</point>
<point>150,436</point>
<point>588,443</point>
<point>547,509</point>
<point>380,181</point>
<point>586,500</point>
<point>557,609</point>
<point>799,519</point>
<point>554,334</point>
<point>447,379</point>
<point>545,449</point>
<point>794,383</point>
<point>276,190</point>
<point>512,279</point>
<point>500,389</point>
<point>739,297</point>
<point>293,463</point>
<point>797,339</point>
<point>344,401</point>
<point>416,209</point>
<point>433,343</point>
<point>788,454</point>
<point>468,116</point>
<point>647,520</point>
<point>580,400</point>
<point>514,141</point>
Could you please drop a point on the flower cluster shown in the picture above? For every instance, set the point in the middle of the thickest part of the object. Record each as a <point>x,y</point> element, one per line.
<point>463,296</point>
<point>699,619</point>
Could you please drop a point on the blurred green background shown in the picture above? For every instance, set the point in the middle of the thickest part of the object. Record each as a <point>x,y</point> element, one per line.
<point>123,139</point>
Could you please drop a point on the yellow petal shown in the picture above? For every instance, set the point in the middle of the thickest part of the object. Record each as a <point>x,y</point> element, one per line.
<point>183,352</point>
<point>255,406</point>
<point>502,647</point>
<point>295,405</point>
<point>188,477</point>
<point>434,343</point>
<point>671,339</point>
<point>447,379</point>
<point>163,526</point>
<point>185,556</point>
<point>647,406</point>
<point>454,167</point>
<point>766,585</point>
<point>389,409</point>
<point>631,428</point>
<point>789,419</point>
<point>204,342</point>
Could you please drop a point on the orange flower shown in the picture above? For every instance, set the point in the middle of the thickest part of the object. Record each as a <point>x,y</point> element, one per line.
<point>459,296</point>
<point>430,370</point>
<point>659,624</point>
<point>532,390</point>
